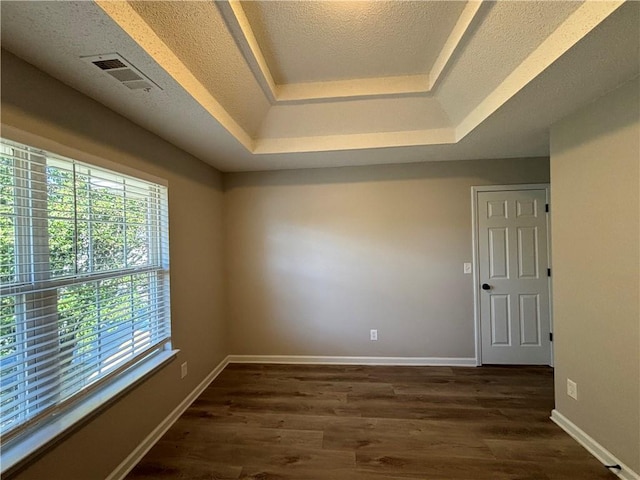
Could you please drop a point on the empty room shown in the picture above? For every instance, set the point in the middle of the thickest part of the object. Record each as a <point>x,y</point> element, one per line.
<point>308,240</point>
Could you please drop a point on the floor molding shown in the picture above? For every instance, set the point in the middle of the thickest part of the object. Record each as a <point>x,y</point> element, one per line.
<point>140,451</point>
<point>328,360</point>
<point>592,446</point>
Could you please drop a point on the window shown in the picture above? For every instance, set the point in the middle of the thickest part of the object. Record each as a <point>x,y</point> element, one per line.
<point>84,280</point>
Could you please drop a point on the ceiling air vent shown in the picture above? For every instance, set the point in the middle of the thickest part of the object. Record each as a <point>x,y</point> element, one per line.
<point>120,69</point>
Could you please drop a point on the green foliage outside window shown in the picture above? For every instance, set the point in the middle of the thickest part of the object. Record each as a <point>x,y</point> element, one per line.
<point>97,223</point>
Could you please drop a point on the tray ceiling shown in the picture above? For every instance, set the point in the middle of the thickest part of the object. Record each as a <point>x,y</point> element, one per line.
<point>331,41</point>
<point>270,84</point>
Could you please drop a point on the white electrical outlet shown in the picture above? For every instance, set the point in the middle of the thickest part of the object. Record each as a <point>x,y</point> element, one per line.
<point>572,389</point>
<point>467,268</point>
<point>374,335</point>
<point>183,370</point>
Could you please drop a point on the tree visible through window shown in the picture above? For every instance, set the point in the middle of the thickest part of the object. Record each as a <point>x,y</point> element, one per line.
<point>84,279</point>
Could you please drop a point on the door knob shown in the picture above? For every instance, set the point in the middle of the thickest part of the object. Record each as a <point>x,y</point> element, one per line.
<point>486,286</point>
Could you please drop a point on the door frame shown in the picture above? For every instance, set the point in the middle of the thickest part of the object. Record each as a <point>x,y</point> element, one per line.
<point>476,256</point>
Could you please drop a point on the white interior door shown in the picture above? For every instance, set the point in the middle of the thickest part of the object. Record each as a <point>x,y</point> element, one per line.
<point>513,278</point>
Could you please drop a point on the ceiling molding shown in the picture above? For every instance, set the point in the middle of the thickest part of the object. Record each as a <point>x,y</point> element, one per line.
<point>512,76</point>
<point>134,26</point>
<point>359,141</point>
<point>571,31</point>
<point>352,89</point>
<point>579,24</point>
<point>240,27</point>
<point>238,23</point>
<point>457,34</point>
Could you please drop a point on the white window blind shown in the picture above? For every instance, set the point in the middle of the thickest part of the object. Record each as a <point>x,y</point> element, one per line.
<point>84,280</point>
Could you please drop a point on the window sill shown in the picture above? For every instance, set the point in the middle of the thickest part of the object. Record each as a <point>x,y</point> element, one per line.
<point>20,450</point>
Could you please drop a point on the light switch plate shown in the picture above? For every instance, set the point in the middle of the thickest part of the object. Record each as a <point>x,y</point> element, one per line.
<point>572,389</point>
<point>467,267</point>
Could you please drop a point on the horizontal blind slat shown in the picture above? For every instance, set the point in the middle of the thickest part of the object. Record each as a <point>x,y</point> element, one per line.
<point>46,351</point>
<point>70,374</point>
<point>16,429</point>
<point>75,280</point>
<point>22,405</point>
<point>85,287</point>
<point>31,337</point>
<point>110,344</point>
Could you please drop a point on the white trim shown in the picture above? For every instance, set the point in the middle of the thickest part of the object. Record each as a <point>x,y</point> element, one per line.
<point>515,187</point>
<point>125,16</point>
<point>329,360</point>
<point>549,263</point>
<point>234,15</point>
<point>592,446</point>
<point>475,276</point>
<point>460,29</point>
<point>122,470</point>
<point>475,255</point>
<point>141,450</point>
<point>355,141</point>
<point>363,88</point>
<point>23,448</point>
<point>576,27</point>
<point>240,28</point>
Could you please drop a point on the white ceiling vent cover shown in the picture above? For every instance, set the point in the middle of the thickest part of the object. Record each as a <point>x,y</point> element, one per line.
<point>120,69</point>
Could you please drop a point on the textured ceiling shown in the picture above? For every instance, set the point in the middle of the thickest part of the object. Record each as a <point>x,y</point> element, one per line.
<point>498,74</point>
<point>509,33</point>
<point>325,41</point>
<point>201,25</point>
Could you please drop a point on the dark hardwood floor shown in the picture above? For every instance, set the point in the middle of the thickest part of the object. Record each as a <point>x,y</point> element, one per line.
<point>296,422</point>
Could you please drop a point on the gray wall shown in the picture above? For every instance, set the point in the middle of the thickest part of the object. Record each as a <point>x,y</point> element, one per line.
<point>36,103</point>
<point>317,258</point>
<point>595,157</point>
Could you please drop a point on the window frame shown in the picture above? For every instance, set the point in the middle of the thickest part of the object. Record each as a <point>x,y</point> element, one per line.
<point>40,436</point>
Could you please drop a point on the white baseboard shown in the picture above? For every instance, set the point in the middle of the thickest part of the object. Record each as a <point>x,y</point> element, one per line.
<point>593,447</point>
<point>326,360</point>
<point>140,451</point>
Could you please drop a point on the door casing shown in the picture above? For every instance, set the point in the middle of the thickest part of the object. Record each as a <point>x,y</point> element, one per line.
<point>476,255</point>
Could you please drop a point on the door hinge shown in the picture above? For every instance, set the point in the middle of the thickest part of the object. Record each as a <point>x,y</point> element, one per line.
<point>546,208</point>
<point>548,272</point>
<point>551,336</point>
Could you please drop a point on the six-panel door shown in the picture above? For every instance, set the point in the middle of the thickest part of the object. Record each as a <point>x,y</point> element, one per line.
<point>513,261</point>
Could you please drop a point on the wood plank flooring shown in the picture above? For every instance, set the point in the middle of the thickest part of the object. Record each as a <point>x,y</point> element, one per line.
<point>298,422</point>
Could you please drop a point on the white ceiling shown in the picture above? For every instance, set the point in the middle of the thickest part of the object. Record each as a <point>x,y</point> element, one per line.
<point>269,85</point>
<point>329,41</point>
